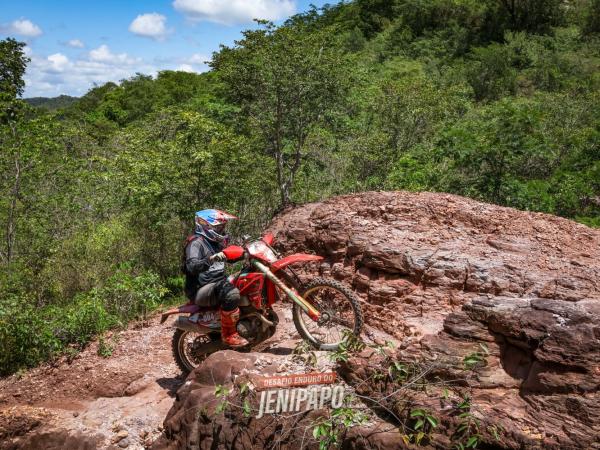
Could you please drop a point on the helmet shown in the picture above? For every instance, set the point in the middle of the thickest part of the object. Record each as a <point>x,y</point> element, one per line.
<point>210,223</point>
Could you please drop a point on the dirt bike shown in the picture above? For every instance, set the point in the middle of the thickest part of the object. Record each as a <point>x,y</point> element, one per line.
<point>323,309</point>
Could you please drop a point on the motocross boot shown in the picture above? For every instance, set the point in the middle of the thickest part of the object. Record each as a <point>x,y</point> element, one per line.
<point>229,334</point>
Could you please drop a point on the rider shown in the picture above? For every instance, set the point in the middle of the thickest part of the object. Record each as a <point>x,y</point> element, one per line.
<point>205,280</point>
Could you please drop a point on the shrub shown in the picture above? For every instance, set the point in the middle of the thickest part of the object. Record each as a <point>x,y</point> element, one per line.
<point>32,335</point>
<point>126,296</point>
<point>88,257</point>
<point>27,339</point>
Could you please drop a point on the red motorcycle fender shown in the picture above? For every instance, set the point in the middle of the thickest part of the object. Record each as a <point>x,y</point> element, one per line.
<point>188,308</point>
<point>292,259</point>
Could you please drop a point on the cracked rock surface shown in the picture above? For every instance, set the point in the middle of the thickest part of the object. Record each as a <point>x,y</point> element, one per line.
<point>444,274</point>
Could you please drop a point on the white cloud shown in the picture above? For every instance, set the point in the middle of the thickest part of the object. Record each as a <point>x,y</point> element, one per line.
<point>104,55</point>
<point>58,62</point>
<point>24,27</point>
<point>197,58</point>
<point>75,43</point>
<point>195,63</point>
<point>151,25</point>
<point>56,74</point>
<point>235,11</point>
<point>185,68</point>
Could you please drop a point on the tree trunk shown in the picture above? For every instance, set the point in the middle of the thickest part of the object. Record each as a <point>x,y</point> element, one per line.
<point>12,208</point>
<point>282,183</point>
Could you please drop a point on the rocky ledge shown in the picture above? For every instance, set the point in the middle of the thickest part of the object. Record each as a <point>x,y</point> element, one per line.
<point>495,312</point>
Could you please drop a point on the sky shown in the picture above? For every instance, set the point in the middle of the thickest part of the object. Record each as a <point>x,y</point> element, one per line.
<point>75,44</point>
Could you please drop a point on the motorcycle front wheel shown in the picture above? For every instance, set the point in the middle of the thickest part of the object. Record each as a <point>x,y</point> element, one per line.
<point>340,314</point>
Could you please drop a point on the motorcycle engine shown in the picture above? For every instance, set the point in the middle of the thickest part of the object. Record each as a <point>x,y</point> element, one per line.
<point>248,328</point>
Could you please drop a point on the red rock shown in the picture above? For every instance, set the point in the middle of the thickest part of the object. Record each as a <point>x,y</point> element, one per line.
<point>450,277</point>
<point>541,314</point>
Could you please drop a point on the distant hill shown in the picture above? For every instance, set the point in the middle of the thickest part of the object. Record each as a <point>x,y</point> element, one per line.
<point>52,103</point>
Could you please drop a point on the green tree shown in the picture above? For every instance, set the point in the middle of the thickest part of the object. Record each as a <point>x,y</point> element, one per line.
<point>374,15</point>
<point>592,17</point>
<point>539,153</point>
<point>286,81</point>
<point>536,16</point>
<point>13,63</point>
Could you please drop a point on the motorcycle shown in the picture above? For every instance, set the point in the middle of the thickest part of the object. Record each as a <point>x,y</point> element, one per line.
<point>324,310</point>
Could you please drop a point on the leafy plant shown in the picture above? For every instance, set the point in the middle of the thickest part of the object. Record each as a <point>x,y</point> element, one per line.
<point>382,349</point>
<point>467,431</point>
<point>424,423</point>
<point>221,392</point>
<point>304,353</point>
<point>327,430</point>
<point>473,359</point>
<point>350,343</point>
<point>424,419</point>
<point>340,354</point>
<point>398,371</point>
<point>104,349</point>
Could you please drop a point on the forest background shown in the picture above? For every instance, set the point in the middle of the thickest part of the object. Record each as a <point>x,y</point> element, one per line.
<point>497,100</point>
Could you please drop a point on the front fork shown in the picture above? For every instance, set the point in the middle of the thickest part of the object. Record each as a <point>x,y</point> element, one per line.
<point>296,298</point>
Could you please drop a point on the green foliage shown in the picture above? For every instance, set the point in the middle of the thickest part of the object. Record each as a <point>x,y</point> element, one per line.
<point>89,257</point>
<point>476,358</point>
<point>467,433</point>
<point>62,101</point>
<point>592,17</point>
<point>13,63</point>
<point>286,81</point>
<point>423,418</point>
<point>496,100</point>
<point>423,423</point>
<point>304,353</point>
<point>327,431</point>
<point>221,393</point>
<point>31,335</point>
<point>515,153</point>
<point>350,344</point>
<point>105,349</point>
<point>491,74</point>
<point>26,336</point>
<point>399,372</point>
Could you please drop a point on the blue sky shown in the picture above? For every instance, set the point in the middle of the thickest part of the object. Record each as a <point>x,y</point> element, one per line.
<point>74,44</point>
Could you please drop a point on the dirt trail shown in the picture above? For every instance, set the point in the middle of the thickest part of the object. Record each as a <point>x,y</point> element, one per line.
<point>92,401</point>
<point>109,403</point>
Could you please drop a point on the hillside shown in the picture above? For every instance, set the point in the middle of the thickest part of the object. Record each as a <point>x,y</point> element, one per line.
<point>51,103</point>
<point>494,101</point>
<point>489,308</point>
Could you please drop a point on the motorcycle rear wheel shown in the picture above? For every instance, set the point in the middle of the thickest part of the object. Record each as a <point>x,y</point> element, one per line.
<point>340,310</point>
<point>183,345</point>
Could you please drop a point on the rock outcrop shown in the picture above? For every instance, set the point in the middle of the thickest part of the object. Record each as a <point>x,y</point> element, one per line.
<point>496,312</point>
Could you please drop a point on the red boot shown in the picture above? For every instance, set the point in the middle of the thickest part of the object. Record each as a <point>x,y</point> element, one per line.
<point>229,334</point>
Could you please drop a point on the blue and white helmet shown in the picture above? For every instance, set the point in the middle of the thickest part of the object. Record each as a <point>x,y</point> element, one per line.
<point>211,223</point>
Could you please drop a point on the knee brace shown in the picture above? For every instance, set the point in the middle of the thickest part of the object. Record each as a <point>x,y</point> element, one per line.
<point>230,297</point>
